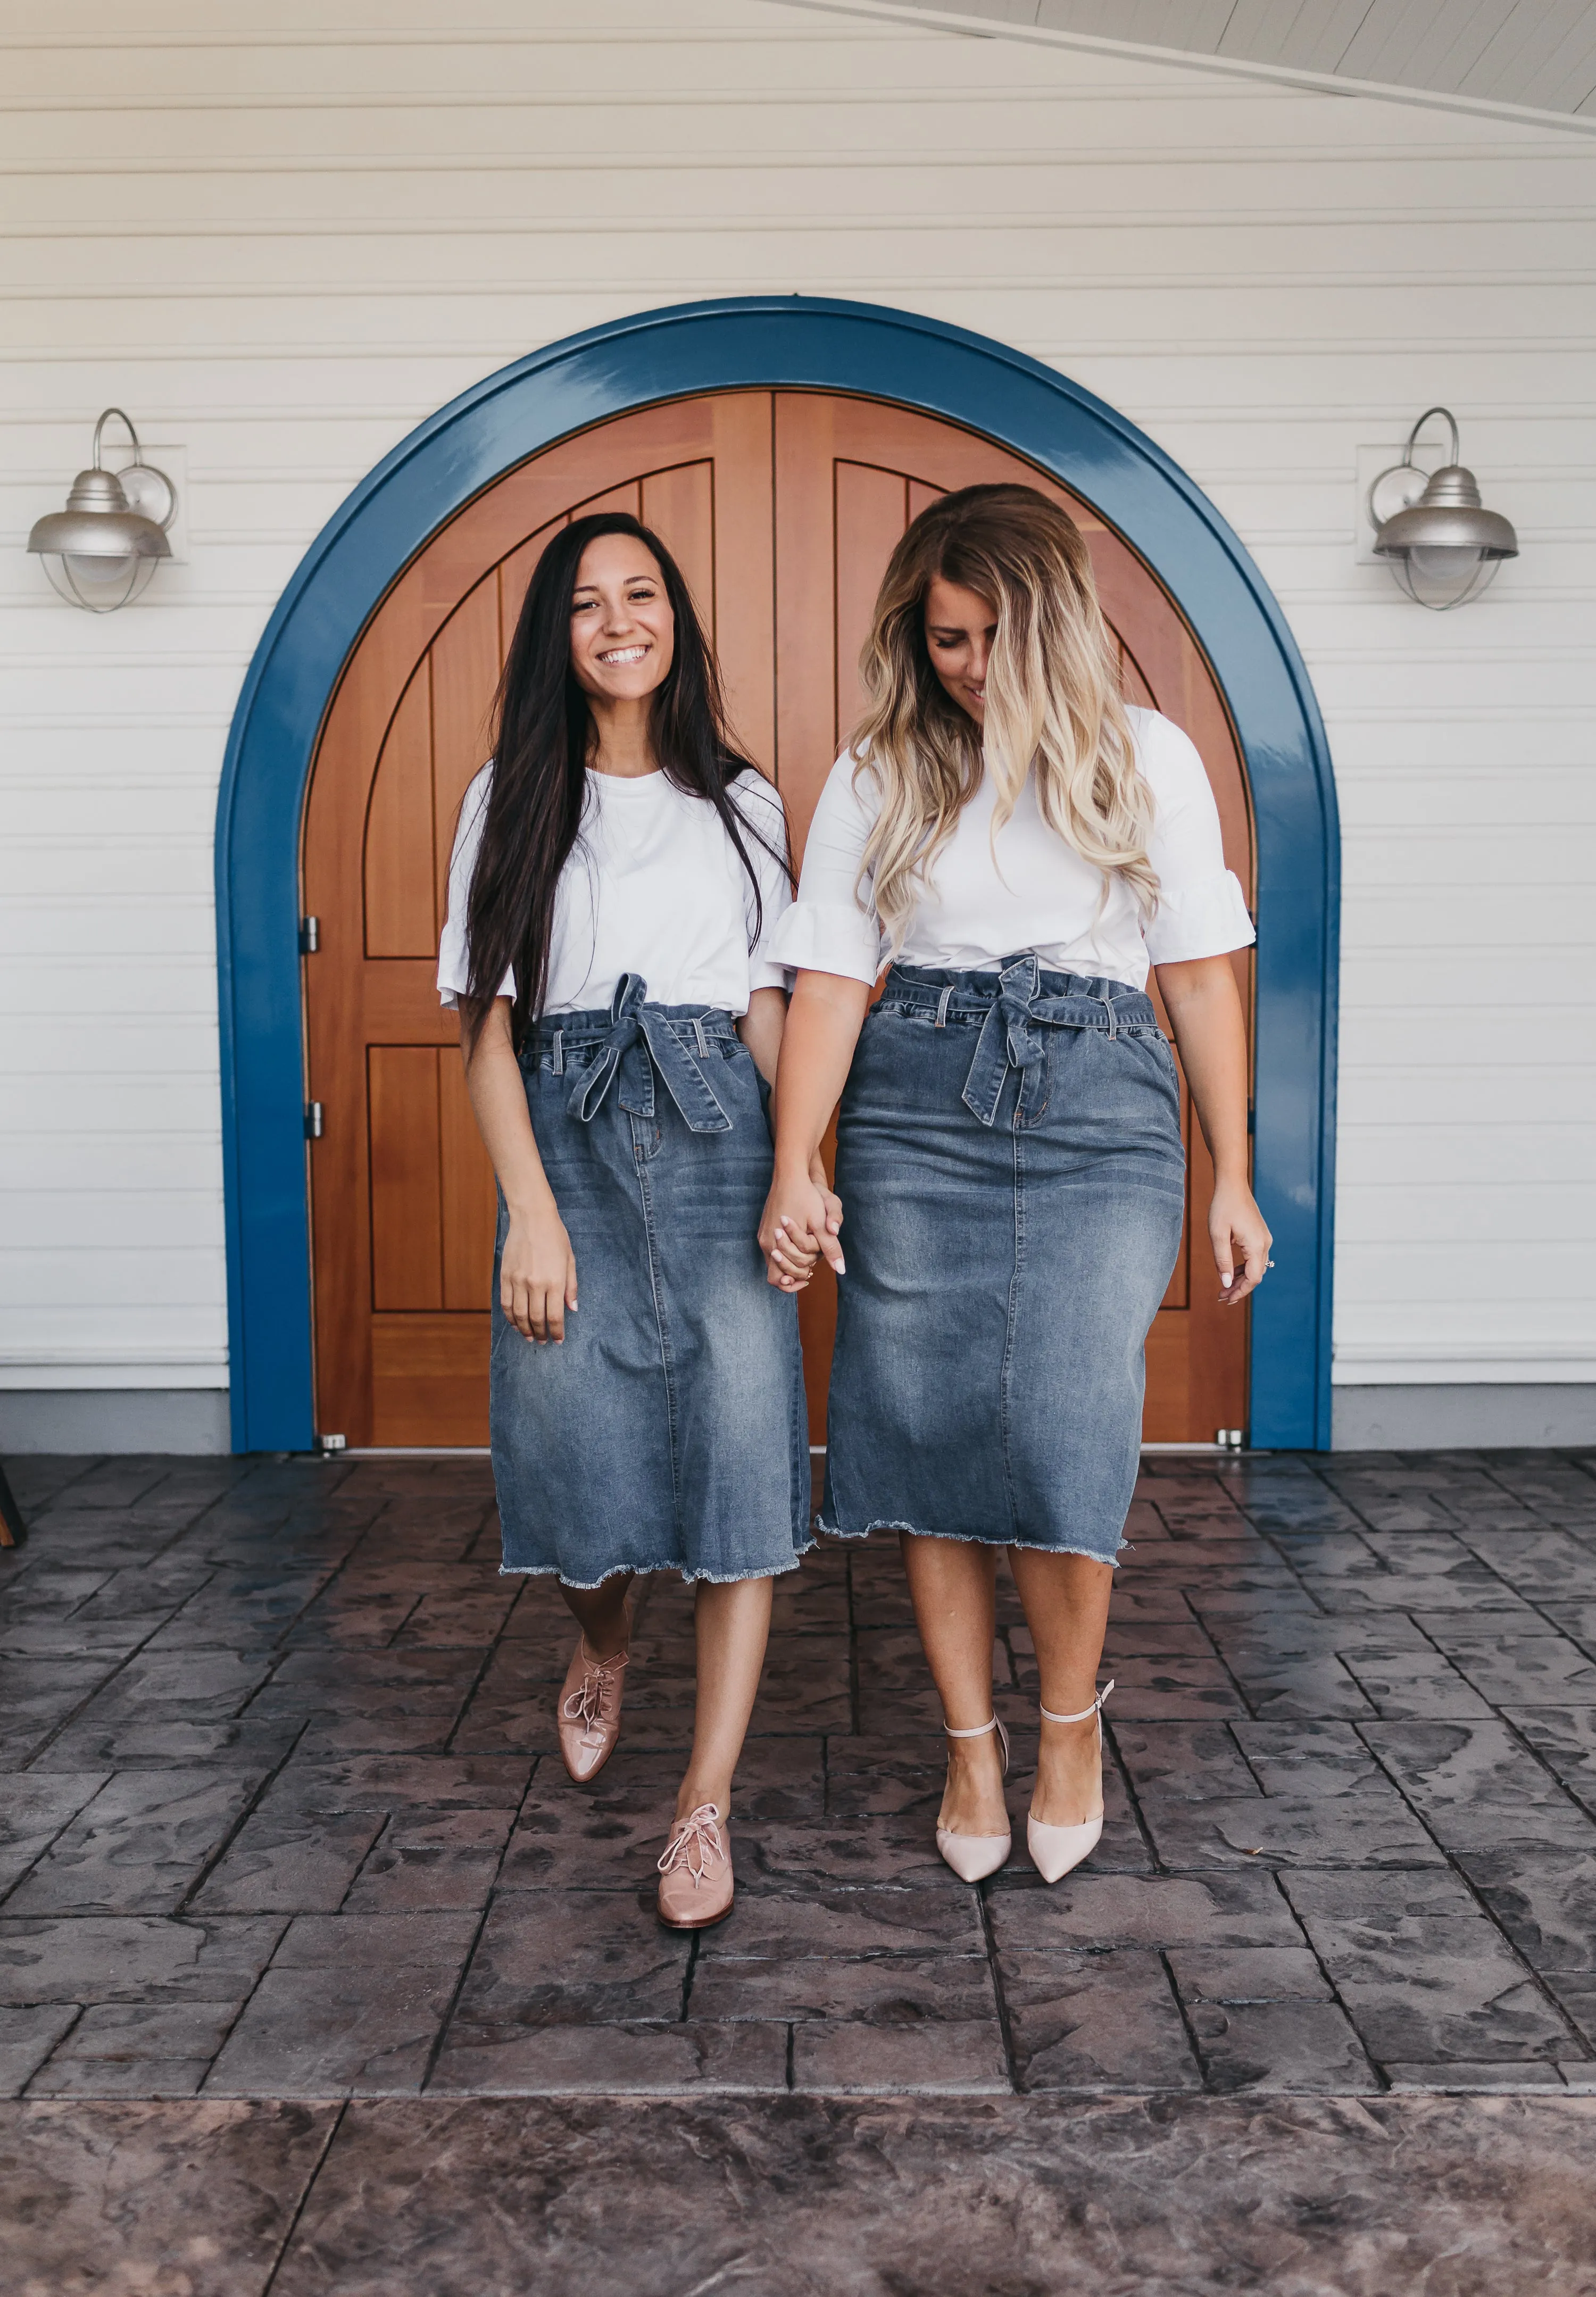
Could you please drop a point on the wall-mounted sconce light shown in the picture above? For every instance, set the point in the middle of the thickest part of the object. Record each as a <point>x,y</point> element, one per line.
<point>104,547</point>
<point>1441,544</point>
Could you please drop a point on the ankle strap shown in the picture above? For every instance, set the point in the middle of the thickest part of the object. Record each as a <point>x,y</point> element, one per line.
<point>1094,1708</point>
<point>980,1730</point>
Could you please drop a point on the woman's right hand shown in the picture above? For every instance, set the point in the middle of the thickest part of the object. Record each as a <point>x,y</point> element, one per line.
<point>537,1276</point>
<point>801,1221</point>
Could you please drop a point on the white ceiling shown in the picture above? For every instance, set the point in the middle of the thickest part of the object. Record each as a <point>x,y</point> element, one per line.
<point>1534,54</point>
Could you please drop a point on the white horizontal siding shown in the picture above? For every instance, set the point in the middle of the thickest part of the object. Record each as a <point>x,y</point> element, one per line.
<point>294,238</point>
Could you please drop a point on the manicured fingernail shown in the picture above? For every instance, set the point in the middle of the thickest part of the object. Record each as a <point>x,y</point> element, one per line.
<point>1227,1281</point>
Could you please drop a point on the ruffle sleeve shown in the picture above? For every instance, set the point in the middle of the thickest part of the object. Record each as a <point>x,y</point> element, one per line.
<point>1205,919</point>
<point>827,930</point>
<point>828,937</point>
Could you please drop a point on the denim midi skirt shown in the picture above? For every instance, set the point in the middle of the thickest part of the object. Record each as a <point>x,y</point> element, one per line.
<point>668,1431</point>
<point>1009,1160</point>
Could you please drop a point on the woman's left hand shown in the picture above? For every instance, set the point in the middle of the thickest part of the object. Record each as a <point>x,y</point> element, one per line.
<point>1239,1235</point>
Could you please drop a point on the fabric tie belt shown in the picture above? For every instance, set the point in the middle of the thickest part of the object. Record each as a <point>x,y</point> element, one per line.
<point>1011,1038</point>
<point>642,1041</point>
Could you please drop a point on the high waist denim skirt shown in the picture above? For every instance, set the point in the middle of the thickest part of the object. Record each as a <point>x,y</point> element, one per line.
<point>1010,1165</point>
<point>668,1432</point>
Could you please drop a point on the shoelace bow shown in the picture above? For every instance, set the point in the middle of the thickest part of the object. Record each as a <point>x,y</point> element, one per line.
<point>697,1843</point>
<point>585,1704</point>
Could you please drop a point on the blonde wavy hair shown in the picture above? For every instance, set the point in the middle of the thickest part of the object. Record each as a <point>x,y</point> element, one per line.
<point>1052,701</point>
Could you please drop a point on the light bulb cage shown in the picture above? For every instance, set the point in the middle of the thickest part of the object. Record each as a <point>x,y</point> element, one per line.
<point>100,552</point>
<point>1445,547</point>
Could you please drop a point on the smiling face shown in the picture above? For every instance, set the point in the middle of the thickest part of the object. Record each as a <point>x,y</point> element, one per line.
<point>960,626</point>
<point>622,631</point>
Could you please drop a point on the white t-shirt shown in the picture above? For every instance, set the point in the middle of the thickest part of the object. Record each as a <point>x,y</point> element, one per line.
<point>1040,896</point>
<point>652,886</point>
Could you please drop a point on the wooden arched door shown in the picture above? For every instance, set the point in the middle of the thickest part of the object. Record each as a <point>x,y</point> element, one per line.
<point>782,508</point>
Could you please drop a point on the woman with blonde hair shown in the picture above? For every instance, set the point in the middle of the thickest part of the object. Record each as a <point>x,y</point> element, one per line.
<point>1015,844</point>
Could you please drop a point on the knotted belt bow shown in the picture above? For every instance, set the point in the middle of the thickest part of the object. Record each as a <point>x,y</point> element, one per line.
<point>1011,1038</point>
<point>642,1041</point>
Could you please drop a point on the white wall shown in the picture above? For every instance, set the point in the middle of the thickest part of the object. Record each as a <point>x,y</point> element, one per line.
<point>279,249</point>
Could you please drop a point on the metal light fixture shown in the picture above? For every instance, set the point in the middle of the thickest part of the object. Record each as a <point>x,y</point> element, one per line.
<point>104,547</point>
<point>1439,541</point>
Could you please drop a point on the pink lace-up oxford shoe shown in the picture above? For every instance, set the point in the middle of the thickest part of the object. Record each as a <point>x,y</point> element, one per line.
<point>589,1711</point>
<point>695,1887</point>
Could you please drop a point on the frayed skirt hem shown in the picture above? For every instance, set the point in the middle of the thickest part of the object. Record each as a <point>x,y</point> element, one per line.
<point>978,1539</point>
<point>645,1571</point>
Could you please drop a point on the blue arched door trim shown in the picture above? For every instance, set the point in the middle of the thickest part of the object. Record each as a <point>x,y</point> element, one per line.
<point>767,342</point>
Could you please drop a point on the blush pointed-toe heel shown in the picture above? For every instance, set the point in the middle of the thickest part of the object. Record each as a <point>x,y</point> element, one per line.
<point>974,1857</point>
<point>1056,1850</point>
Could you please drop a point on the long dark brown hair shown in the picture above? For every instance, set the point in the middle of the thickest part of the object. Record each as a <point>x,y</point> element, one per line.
<point>542,741</point>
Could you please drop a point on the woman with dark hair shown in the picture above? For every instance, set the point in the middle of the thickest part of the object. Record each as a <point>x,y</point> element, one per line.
<point>617,874</point>
<point>1017,846</point>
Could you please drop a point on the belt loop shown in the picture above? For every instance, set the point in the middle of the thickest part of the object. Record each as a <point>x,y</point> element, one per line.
<point>559,1052</point>
<point>942,1003</point>
<point>1108,1002</point>
<point>704,1042</point>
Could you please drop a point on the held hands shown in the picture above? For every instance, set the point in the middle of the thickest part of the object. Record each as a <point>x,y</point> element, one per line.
<point>536,1278</point>
<point>804,1217</point>
<point>1240,1238</point>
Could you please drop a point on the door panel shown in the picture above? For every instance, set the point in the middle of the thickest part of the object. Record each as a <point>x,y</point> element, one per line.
<point>402,1196</point>
<point>783,509</point>
<point>876,467</point>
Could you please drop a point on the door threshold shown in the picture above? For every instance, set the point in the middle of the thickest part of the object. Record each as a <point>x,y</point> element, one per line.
<point>410,1452</point>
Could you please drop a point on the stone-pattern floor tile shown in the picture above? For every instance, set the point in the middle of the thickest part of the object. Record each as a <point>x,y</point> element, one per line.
<point>842,2058</point>
<point>1544,1899</point>
<point>130,1958</point>
<point>882,1990</point>
<point>1421,1971</point>
<point>282,1804</point>
<point>289,1863</point>
<point>139,1847</point>
<point>613,2061</point>
<point>352,2005</point>
<point>35,1807</point>
<point>1096,2021</point>
<point>138,2049</point>
<point>26,2039</point>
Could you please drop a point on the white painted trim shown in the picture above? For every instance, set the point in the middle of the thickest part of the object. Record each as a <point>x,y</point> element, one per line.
<point>1004,28</point>
<point>1463,1363</point>
<point>110,1367</point>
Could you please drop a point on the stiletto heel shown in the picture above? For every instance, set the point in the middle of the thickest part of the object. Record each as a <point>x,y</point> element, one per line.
<point>973,1856</point>
<point>1056,1850</point>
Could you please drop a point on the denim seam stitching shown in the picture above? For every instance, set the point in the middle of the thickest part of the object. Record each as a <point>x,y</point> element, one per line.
<point>656,1287</point>
<point>1014,1292</point>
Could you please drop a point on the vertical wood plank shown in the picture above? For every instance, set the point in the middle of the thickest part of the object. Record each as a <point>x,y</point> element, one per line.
<point>469,1197</point>
<point>872,511</point>
<point>679,505</point>
<point>806,706</point>
<point>465,662</point>
<point>627,497</point>
<point>407,1268</point>
<point>399,862</point>
<point>744,514</point>
<point>515,573</point>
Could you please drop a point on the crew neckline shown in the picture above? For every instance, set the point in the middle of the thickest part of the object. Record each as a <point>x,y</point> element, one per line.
<point>626,781</point>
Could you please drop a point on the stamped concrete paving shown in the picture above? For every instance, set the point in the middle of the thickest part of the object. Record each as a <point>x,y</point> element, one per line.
<point>280,1816</point>
<point>317,1975</point>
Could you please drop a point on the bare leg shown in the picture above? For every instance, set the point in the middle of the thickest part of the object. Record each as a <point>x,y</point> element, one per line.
<point>733,1624</point>
<point>1065,1598</point>
<point>953,1586</point>
<point>601,1613</point>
